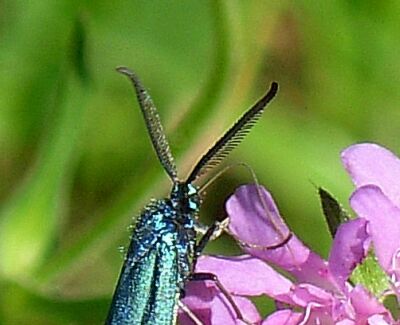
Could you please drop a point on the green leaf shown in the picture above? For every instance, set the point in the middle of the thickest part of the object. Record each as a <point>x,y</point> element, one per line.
<point>370,274</point>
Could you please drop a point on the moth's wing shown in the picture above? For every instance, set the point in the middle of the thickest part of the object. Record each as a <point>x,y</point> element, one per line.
<point>165,286</point>
<point>148,288</point>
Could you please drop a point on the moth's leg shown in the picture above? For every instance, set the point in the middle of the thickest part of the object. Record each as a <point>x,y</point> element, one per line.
<point>190,314</point>
<point>207,234</point>
<point>203,276</point>
<point>219,228</point>
<point>210,233</point>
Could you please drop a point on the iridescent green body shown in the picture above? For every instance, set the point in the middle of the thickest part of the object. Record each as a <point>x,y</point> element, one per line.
<point>158,261</point>
<point>164,246</point>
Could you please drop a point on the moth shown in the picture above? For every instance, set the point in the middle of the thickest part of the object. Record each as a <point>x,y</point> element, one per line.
<point>168,237</point>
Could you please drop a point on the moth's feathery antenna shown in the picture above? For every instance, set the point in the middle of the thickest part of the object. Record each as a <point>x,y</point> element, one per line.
<point>153,123</point>
<point>232,137</point>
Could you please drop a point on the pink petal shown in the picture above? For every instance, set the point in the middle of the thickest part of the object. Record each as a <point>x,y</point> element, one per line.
<point>283,317</point>
<point>220,311</point>
<point>252,224</point>
<point>379,320</point>
<point>288,317</point>
<point>319,317</point>
<point>320,306</point>
<point>199,299</point>
<point>370,203</point>
<point>259,277</point>
<point>314,270</point>
<point>304,294</point>
<point>370,163</point>
<point>212,307</point>
<point>349,248</point>
<point>365,305</point>
<point>346,322</point>
<point>255,217</point>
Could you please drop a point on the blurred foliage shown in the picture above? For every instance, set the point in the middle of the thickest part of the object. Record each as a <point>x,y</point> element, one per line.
<point>76,163</point>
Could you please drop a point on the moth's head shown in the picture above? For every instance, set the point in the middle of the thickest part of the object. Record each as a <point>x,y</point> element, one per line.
<point>185,197</point>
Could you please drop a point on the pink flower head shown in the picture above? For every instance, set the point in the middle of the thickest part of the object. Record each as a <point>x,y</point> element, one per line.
<point>376,173</point>
<point>319,292</point>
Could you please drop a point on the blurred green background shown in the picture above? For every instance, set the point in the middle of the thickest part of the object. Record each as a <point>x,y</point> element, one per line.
<point>76,163</point>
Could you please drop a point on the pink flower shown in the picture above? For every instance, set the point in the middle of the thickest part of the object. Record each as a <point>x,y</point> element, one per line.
<point>376,173</point>
<point>319,292</point>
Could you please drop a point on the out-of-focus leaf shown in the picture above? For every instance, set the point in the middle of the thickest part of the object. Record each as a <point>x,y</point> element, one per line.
<point>21,305</point>
<point>29,222</point>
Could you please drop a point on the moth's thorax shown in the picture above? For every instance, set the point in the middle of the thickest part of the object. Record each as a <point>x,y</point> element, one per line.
<point>185,198</point>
